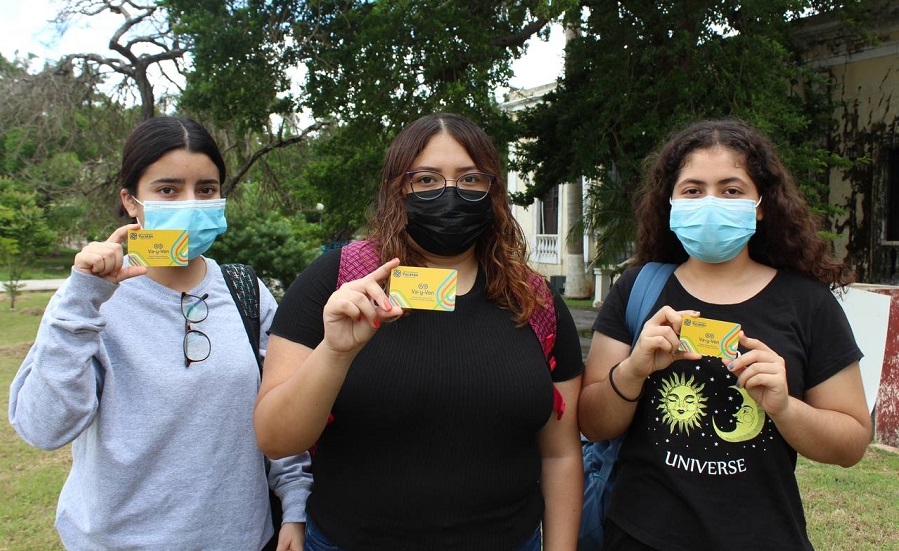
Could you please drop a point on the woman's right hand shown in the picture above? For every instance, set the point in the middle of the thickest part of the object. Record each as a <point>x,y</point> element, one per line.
<point>354,312</point>
<point>659,343</point>
<point>105,258</point>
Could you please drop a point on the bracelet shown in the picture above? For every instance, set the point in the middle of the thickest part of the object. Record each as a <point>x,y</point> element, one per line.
<point>618,392</point>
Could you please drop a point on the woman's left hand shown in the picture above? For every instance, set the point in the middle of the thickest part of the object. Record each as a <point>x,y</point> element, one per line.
<point>292,536</point>
<point>763,374</point>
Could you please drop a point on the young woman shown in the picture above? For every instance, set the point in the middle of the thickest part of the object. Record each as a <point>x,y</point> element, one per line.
<point>150,374</point>
<point>710,449</point>
<point>443,433</point>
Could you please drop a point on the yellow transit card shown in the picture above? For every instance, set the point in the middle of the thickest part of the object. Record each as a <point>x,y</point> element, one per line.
<point>423,288</point>
<point>157,247</point>
<point>710,337</point>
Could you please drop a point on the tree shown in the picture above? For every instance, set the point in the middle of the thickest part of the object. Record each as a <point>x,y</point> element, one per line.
<point>371,67</point>
<point>24,233</point>
<point>640,68</point>
<point>143,41</point>
<point>61,138</point>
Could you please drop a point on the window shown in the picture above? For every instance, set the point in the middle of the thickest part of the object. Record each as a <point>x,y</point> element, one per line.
<point>549,212</point>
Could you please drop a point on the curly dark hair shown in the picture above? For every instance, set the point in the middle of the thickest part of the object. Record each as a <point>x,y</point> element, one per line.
<point>501,251</point>
<point>787,236</point>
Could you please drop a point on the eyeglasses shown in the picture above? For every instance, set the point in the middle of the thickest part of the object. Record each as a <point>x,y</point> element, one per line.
<point>196,343</point>
<point>427,185</point>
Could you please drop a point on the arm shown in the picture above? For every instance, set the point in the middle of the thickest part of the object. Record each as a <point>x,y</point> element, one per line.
<point>291,480</point>
<point>562,478</point>
<point>55,394</point>
<point>602,412</point>
<point>299,384</point>
<point>831,425</point>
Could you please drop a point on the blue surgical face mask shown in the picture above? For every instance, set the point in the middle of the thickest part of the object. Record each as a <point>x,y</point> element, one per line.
<point>203,219</point>
<point>713,229</point>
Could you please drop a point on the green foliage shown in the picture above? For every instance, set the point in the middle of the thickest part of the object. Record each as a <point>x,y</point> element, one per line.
<point>346,173</point>
<point>24,233</point>
<point>640,69</point>
<point>240,64</point>
<point>61,139</point>
<point>23,229</point>
<point>372,67</point>
<point>278,247</point>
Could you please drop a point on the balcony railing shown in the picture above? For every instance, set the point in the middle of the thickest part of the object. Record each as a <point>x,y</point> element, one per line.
<point>548,249</point>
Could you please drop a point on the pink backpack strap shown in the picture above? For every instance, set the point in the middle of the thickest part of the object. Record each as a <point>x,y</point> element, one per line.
<point>357,260</point>
<point>544,322</point>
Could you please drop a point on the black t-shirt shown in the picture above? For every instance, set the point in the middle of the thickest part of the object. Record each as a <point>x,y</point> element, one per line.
<point>702,466</point>
<point>433,444</point>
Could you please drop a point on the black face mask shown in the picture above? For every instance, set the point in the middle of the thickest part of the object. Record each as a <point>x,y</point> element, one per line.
<point>448,225</point>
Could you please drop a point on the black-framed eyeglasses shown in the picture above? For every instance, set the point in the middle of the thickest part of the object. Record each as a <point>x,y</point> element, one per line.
<point>428,185</point>
<point>196,343</point>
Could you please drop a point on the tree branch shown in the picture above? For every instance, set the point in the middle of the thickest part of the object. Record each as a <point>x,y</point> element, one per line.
<point>265,150</point>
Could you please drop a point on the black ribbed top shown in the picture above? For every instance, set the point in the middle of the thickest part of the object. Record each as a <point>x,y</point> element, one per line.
<point>434,440</point>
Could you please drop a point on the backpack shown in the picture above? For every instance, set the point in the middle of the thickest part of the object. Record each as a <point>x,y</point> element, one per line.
<point>244,287</point>
<point>360,258</point>
<point>599,457</point>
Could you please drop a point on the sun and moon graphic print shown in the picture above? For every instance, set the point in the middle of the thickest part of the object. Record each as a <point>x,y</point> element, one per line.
<point>704,422</point>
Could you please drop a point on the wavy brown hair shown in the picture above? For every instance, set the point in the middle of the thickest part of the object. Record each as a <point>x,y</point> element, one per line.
<point>786,238</point>
<point>501,251</point>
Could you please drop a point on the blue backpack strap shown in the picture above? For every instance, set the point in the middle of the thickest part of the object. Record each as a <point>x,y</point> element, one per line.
<point>646,290</point>
<point>600,457</point>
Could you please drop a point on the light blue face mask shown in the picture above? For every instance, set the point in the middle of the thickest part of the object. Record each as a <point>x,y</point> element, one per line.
<point>713,229</point>
<point>203,219</point>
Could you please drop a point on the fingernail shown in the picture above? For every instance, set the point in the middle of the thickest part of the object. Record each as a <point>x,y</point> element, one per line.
<point>359,318</point>
<point>730,366</point>
<point>377,323</point>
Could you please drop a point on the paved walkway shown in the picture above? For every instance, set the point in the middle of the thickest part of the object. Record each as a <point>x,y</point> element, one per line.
<point>583,320</point>
<point>37,285</point>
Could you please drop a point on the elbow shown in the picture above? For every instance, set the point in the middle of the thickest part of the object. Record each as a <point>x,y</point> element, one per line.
<point>40,431</point>
<point>40,439</point>
<point>587,424</point>
<point>268,444</point>
<point>856,454</point>
<point>589,416</point>
<point>275,450</point>
<point>272,443</point>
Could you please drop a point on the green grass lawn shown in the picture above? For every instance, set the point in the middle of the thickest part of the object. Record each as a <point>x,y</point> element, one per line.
<point>586,303</point>
<point>30,479</point>
<point>853,509</point>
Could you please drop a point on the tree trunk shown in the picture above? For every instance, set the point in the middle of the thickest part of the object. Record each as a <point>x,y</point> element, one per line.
<point>576,282</point>
<point>577,285</point>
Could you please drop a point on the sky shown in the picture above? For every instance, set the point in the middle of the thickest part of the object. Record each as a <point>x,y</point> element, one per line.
<point>25,28</point>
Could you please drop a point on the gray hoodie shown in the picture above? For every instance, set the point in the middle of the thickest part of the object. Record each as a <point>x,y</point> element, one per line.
<point>163,456</point>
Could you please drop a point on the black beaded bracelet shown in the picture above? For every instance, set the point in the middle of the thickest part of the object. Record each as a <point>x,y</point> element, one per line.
<point>618,392</point>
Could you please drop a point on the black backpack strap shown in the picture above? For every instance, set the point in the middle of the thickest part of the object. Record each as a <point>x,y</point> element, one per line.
<point>244,287</point>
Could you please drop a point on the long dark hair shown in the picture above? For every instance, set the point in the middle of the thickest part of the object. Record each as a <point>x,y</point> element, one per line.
<point>787,236</point>
<point>155,137</point>
<point>501,250</point>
